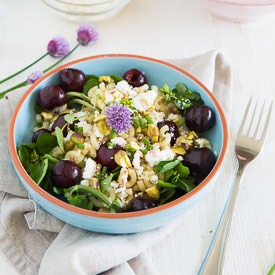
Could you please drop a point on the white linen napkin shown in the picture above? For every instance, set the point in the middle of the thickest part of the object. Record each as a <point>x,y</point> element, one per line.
<point>33,240</point>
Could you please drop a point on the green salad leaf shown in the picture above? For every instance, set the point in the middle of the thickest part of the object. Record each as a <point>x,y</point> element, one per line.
<point>60,138</point>
<point>69,118</point>
<point>181,96</point>
<point>38,170</point>
<point>116,78</point>
<point>45,143</point>
<point>92,82</point>
<point>164,166</point>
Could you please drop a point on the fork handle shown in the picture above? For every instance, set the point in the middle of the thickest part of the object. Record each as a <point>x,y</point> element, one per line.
<point>214,259</point>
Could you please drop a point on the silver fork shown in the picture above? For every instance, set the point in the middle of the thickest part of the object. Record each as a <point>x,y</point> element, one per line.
<point>247,149</point>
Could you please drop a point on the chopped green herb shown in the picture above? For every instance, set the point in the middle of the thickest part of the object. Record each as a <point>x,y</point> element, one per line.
<point>102,174</point>
<point>146,141</point>
<point>181,123</point>
<point>80,146</point>
<point>149,120</point>
<point>135,122</point>
<point>113,134</point>
<point>126,101</point>
<point>99,96</point>
<point>78,129</point>
<point>110,145</point>
<point>142,123</point>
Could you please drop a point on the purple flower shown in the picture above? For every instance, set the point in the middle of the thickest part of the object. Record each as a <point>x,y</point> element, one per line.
<point>86,33</point>
<point>34,76</point>
<point>119,118</point>
<point>58,47</point>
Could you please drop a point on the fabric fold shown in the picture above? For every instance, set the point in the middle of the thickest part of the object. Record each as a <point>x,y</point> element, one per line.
<point>33,240</point>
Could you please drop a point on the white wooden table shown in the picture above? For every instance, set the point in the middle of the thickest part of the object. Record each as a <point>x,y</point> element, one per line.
<point>172,29</point>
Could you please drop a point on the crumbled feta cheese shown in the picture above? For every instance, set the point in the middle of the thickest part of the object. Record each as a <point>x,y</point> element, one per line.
<point>119,141</point>
<point>87,128</point>
<point>154,179</point>
<point>173,116</point>
<point>125,88</point>
<point>113,96</point>
<point>156,116</point>
<point>84,182</point>
<point>114,184</point>
<point>89,169</point>
<point>180,158</point>
<point>144,101</point>
<point>154,156</point>
<point>142,146</point>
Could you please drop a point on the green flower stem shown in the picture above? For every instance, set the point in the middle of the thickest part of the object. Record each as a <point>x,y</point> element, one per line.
<point>81,102</point>
<point>272,270</point>
<point>22,70</point>
<point>76,94</point>
<point>22,84</point>
<point>25,83</point>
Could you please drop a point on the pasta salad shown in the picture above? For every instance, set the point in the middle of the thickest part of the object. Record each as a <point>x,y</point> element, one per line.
<point>113,144</point>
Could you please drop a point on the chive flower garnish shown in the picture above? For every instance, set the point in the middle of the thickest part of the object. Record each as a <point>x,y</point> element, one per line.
<point>119,118</point>
<point>85,34</point>
<point>57,47</point>
<point>34,76</point>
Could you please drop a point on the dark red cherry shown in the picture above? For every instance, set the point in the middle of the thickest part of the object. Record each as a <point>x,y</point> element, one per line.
<point>200,161</point>
<point>173,129</point>
<point>51,96</point>
<point>140,203</point>
<point>39,133</point>
<point>72,80</point>
<point>135,78</point>
<point>199,118</point>
<point>60,122</point>
<point>105,156</point>
<point>65,174</point>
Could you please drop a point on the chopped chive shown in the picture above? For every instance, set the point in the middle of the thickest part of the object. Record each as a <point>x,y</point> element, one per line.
<point>80,146</point>
<point>99,96</point>
<point>149,120</point>
<point>144,152</point>
<point>150,147</point>
<point>113,134</point>
<point>102,174</point>
<point>142,124</point>
<point>146,141</point>
<point>110,145</point>
<point>135,122</point>
<point>181,123</point>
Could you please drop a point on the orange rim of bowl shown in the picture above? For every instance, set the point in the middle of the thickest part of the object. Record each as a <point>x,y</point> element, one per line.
<point>81,211</point>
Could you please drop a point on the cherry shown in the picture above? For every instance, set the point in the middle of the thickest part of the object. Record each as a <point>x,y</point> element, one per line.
<point>51,96</point>
<point>135,78</point>
<point>140,203</point>
<point>65,174</point>
<point>199,118</point>
<point>105,156</point>
<point>72,80</point>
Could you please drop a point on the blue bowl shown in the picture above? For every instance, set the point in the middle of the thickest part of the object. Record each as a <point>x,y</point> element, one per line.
<point>158,73</point>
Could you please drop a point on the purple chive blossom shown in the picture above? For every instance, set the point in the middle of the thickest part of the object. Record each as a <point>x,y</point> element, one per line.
<point>119,118</point>
<point>34,76</point>
<point>58,47</point>
<point>86,33</point>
